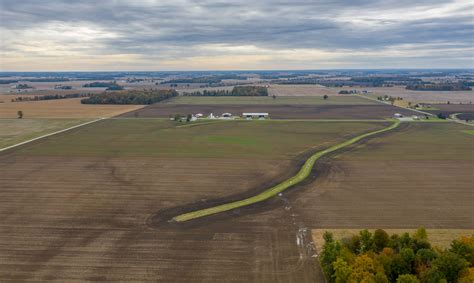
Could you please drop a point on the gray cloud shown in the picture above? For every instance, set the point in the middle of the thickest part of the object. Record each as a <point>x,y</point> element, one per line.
<point>172,30</point>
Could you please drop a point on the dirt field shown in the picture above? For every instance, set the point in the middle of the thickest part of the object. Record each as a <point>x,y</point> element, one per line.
<point>423,96</point>
<point>376,111</point>
<point>60,108</point>
<point>42,88</point>
<point>302,90</point>
<point>281,100</point>
<point>13,131</point>
<point>418,176</point>
<point>85,219</point>
<point>77,206</point>
<point>448,109</point>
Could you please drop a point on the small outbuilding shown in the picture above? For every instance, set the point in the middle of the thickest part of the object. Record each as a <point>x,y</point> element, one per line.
<point>397,115</point>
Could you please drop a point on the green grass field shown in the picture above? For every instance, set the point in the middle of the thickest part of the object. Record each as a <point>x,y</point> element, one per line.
<point>227,139</point>
<point>280,100</point>
<point>13,131</point>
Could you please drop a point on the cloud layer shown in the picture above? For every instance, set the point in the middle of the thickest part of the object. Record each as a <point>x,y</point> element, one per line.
<point>200,35</point>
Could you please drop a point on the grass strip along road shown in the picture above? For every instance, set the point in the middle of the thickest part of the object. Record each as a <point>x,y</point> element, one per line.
<point>273,191</point>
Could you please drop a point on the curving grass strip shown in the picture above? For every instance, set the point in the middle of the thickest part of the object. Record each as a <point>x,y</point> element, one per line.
<point>273,191</point>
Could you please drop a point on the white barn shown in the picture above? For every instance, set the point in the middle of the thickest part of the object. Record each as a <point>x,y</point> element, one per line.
<point>261,115</point>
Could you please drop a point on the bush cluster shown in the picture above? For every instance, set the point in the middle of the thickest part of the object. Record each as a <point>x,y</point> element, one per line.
<point>378,257</point>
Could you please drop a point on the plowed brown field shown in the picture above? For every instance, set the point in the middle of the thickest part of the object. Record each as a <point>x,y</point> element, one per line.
<point>82,211</point>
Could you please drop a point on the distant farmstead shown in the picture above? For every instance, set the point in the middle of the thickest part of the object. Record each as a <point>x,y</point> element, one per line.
<point>262,115</point>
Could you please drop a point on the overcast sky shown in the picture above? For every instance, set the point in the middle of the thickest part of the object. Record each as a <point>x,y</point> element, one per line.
<point>234,35</point>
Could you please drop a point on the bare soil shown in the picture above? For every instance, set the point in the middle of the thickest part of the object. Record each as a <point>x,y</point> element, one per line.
<point>421,96</point>
<point>448,109</point>
<point>77,218</point>
<point>87,219</point>
<point>302,90</point>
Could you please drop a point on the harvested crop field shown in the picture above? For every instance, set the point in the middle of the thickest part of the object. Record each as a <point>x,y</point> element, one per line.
<point>77,206</point>
<point>220,139</point>
<point>61,108</point>
<point>302,90</point>
<point>422,96</point>
<point>376,111</point>
<point>448,109</point>
<point>418,176</point>
<point>466,116</point>
<point>268,100</point>
<point>13,131</point>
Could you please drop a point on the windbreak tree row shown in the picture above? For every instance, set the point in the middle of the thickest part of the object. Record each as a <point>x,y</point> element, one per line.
<point>130,97</point>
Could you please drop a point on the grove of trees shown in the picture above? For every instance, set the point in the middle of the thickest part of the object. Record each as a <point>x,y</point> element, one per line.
<point>109,85</point>
<point>130,97</point>
<point>236,91</point>
<point>378,257</point>
<point>439,87</point>
<point>50,97</point>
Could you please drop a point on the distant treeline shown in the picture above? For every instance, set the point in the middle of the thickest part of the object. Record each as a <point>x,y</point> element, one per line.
<point>353,82</point>
<point>381,81</point>
<point>108,85</point>
<point>327,83</point>
<point>5,82</point>
<point>439,87</point>
<point>47,80</point>
<point>50,97</point>
<point>40,80</point>
<point>236,91</point>
<point>130,97</point>
<point>278,76</point>
<point>203,80</point>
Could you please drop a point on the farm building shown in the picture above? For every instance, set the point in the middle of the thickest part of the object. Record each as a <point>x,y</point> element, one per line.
<point>255,115</point>
<point>397,115</point>
<point>226,115</point>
